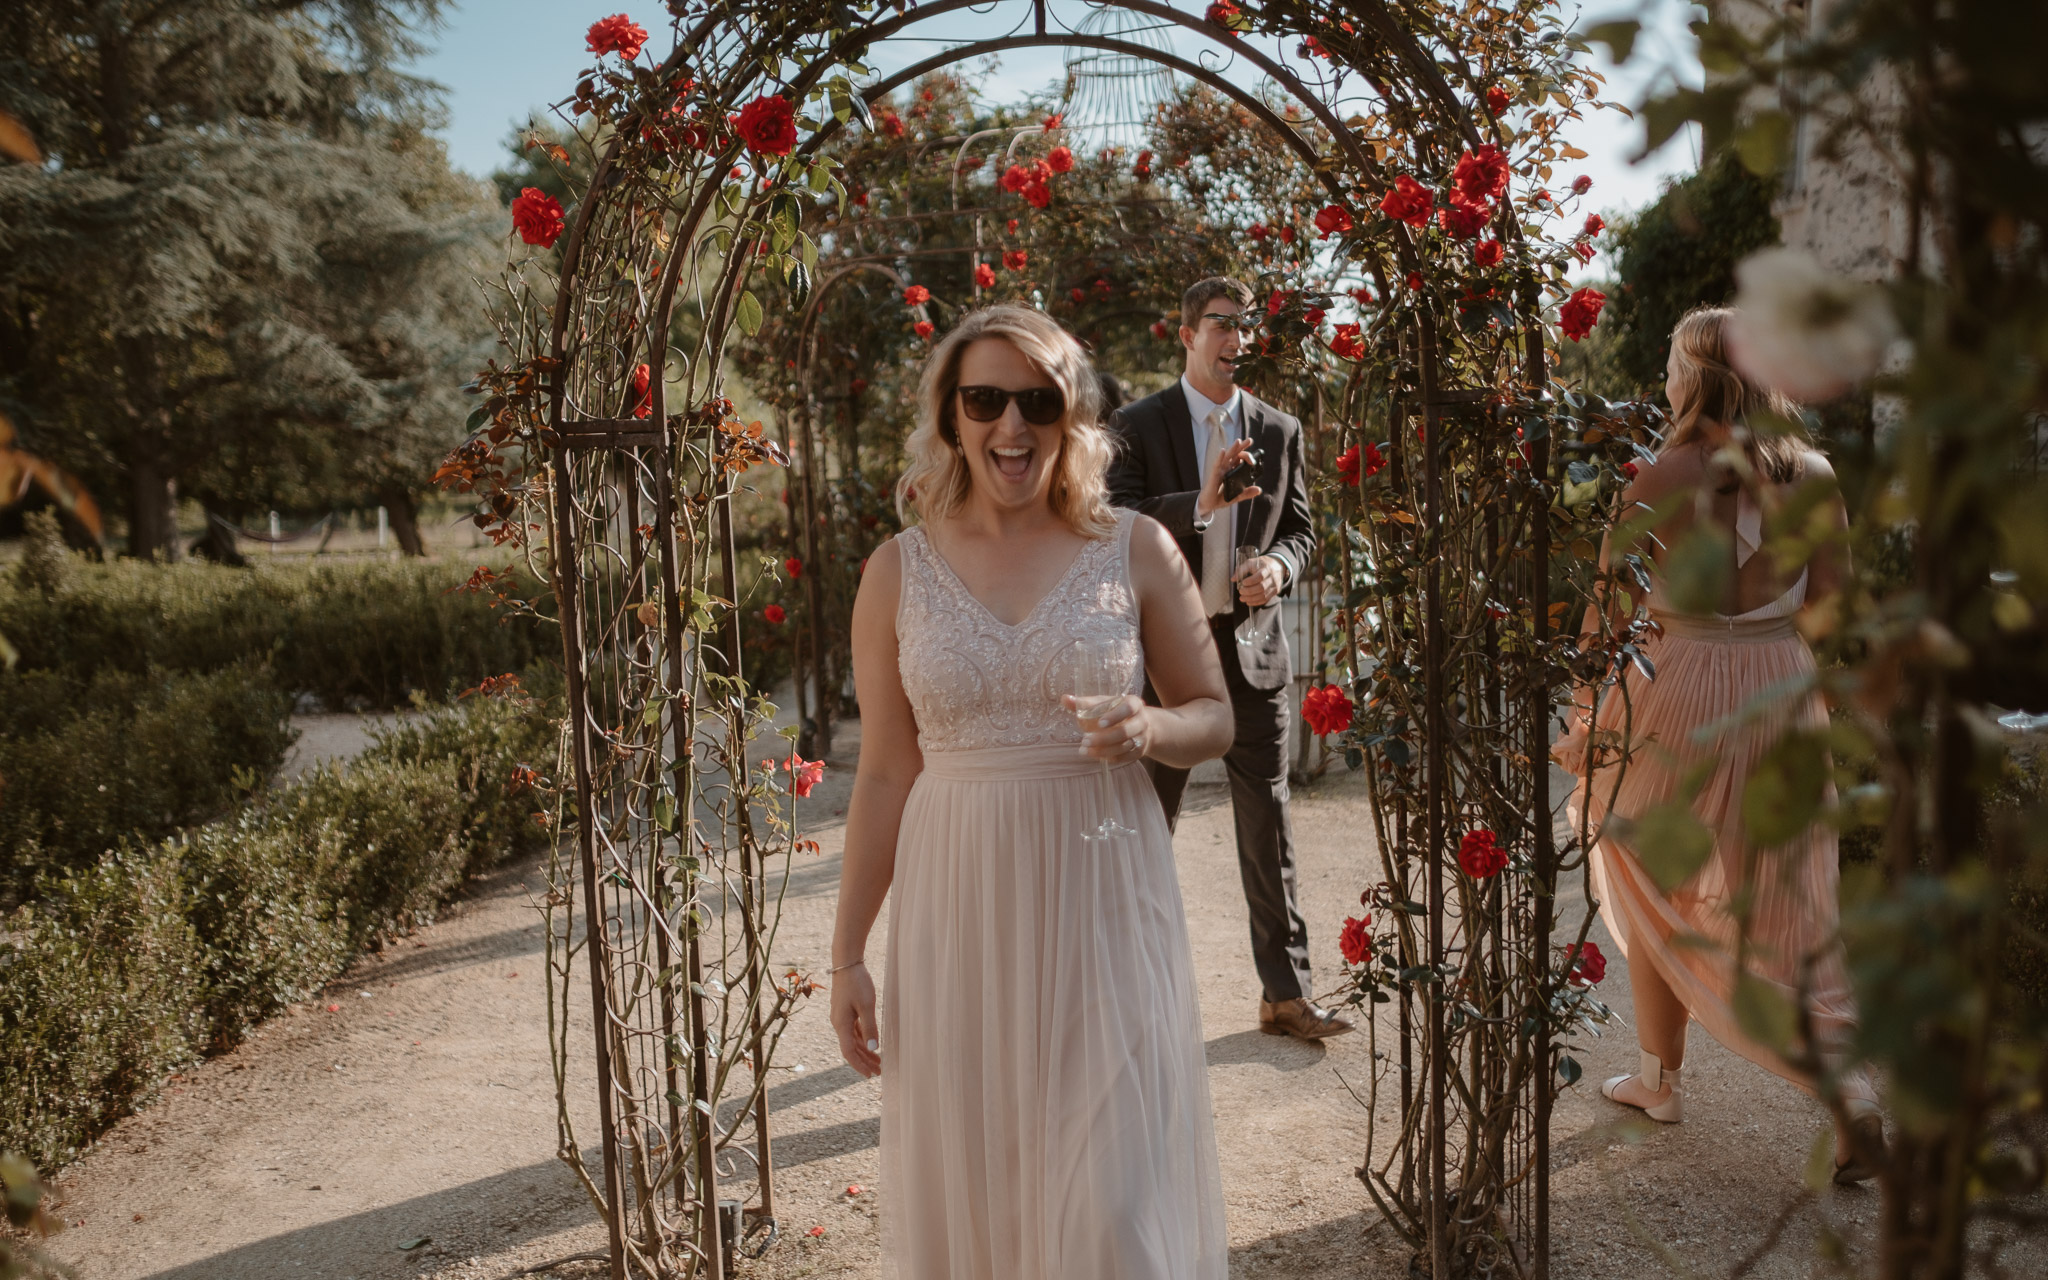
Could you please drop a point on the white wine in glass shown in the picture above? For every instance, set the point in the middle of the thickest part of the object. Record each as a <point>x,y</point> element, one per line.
<point>1098,673</point>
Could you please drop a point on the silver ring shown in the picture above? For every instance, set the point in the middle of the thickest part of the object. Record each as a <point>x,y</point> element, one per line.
<point>1138,744</point>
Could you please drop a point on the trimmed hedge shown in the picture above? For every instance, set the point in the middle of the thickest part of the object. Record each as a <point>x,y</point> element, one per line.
<point>356,634</point>
<point>134,756</point>
<point>124,970</point>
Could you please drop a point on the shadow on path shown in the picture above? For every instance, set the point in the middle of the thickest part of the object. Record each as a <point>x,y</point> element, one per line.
<point>547,1196</point>
<point>1248,1048</point>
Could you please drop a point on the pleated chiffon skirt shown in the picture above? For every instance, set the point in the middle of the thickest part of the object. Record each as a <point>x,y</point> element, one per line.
<point>1045,1099</point>
<point>1709,672</point>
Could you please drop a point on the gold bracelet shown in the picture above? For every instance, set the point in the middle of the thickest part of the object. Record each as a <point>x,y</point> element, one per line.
<point>848,965</point>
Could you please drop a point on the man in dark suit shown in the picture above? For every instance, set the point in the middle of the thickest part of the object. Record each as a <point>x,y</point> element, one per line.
<point>1173,449</point>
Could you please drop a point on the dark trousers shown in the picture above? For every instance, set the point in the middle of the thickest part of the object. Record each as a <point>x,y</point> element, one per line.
<point>1257,765</point>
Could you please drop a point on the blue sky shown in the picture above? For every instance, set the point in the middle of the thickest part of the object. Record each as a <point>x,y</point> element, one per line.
<point>500,59</point>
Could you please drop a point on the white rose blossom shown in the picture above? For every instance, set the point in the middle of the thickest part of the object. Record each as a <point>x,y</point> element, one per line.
<point>1803,331</point>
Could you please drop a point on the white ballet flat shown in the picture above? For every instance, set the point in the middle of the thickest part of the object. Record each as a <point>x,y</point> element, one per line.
<point>1653,1077</point>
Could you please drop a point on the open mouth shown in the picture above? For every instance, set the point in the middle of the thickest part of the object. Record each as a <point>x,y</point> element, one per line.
<point>1012,464</point>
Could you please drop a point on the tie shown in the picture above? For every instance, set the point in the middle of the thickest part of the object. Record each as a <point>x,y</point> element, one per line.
<point>1216,538</point>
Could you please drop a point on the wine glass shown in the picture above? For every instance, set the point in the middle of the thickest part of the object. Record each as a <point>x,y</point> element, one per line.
<point>1249,632</point>
<point>1098,672</point>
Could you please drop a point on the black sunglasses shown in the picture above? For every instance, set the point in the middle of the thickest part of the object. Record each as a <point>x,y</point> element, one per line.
<point>1041,406</point>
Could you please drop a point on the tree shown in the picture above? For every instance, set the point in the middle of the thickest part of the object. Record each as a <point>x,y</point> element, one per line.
<point>242,268</point>
<point>1679,253</point>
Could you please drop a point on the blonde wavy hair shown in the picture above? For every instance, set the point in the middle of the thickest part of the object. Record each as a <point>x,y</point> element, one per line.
<point>1707,387</point>
<point>937,481</point>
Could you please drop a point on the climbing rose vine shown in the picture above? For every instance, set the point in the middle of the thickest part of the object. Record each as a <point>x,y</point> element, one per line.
<point>767,125</point>
<point>617,34</point>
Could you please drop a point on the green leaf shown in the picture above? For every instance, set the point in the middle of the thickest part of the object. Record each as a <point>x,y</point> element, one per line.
<point>1697,569</point>
<point>1618,36</point>
<point>1671,843</point>
<point>748,313</point>
<point>1783,794</point>
<point>1568,1069</point>
<point>1763,1012</point>
<point>1763,141</point>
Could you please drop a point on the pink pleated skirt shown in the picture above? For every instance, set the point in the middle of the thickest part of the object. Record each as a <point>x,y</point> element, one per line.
<point>1710,672</point>
<point>1045,1098</point>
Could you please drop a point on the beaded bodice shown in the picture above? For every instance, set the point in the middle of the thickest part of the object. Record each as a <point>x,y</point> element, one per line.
<point>974,681</point>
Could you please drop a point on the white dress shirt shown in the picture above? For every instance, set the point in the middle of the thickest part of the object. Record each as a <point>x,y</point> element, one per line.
<point>1199,409</point>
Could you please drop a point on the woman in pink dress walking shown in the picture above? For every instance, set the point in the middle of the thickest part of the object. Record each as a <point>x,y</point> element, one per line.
<point>1045,1102</point>
<point>1699,713</point>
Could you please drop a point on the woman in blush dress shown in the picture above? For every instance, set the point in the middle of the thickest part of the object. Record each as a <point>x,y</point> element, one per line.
<point>1698,712</point>
<point>1045,1102</point>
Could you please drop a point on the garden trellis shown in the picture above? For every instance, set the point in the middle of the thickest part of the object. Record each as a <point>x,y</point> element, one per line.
<point>607,449</point>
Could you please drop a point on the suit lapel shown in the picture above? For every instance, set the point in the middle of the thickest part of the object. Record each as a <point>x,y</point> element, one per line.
<point>1180,434</point>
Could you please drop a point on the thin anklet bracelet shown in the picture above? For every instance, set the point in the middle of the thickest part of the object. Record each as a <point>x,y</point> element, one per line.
<point>848,965</point>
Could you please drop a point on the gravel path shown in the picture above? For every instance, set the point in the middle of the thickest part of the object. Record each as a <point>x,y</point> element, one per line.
<point>413,1100</point>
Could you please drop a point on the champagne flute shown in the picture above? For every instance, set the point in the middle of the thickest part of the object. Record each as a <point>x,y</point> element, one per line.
<point>1248,632</point>
<point>1098,672</point>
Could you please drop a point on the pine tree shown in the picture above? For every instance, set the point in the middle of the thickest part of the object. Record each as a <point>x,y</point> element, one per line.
<point>245,268</point>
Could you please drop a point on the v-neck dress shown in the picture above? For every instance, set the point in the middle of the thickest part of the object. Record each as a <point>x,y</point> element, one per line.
<point>1045,1100</point>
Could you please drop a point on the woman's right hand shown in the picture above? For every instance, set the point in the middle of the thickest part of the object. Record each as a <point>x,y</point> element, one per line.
<point>853,1017</point>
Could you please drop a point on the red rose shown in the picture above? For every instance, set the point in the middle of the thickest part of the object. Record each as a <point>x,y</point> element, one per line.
<point>1629,469</point>
<point>1159,328</point>
<point>1497,99</point>
<point>1480,855</point>
<point>1014,259</point>
<point>984,275</point>
<point>1582,251</point>
<point>1287,234</point>
<point>1582,184</point>
<point>1060,158</point>
<point>1225,14</point>
<point>1355,942</point>
<point>1014,178</point>
<point>916,296</point>
<point>767,125</point>
<point>616,34</point>
<point>922,328</point>
<point>1333,219</point>
<point>1313,317</point>
<point>775,614</point>
<point>643,398</point>
<point>1362,296</point>
<point>1408,201</point>
<point>537,216</point>
<point>1326,710</point>
<point>1276,301</point>
<point>1053,121</point>
<point>1463,220</point>
<point>859,385</point>
<point>1595,224</point>
<point>1481,175</point>
<point>1076,294</point>
<point>1038,194</point>
<point>1414,282</point>
<point>1142,169</point>
<point>1586,963</point>
<point>1257,231</point>
<point>1347,467</point>
<point>794,567</point>
<point>1487,253</point>
<point>1581,312</point>
<point>1348,342</point>
<point>859,197</point>
<point>803,775</point>
<point>1012,229</point>
<point>892,124</point>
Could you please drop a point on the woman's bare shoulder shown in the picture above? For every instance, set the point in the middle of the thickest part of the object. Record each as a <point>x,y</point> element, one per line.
<point>1670,472</point>
<point>881,577</point>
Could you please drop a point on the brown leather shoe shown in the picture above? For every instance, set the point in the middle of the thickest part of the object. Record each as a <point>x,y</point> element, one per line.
<point>1300,1019</point>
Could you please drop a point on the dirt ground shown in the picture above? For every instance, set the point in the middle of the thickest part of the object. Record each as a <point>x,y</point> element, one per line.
<point>403,1124</point>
